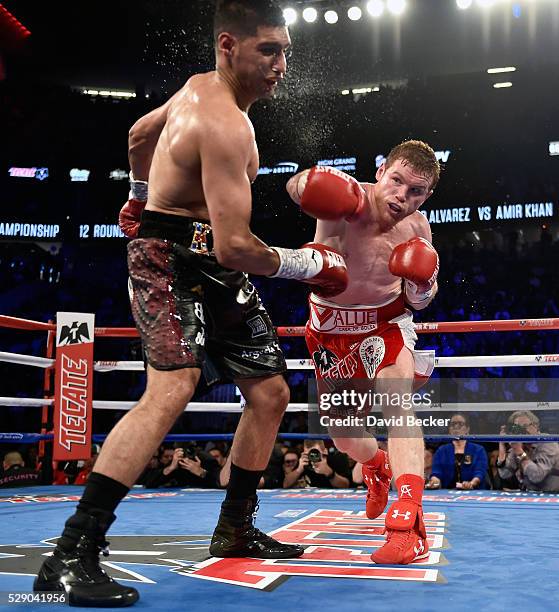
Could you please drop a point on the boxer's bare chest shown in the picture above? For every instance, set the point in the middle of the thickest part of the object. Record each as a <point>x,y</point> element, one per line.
<point>367,248</point>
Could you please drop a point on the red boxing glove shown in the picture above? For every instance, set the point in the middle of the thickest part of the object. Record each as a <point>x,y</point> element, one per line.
<point>416,261</point>
<point>129,218</point>
<point>316,264</point>
<point>131,212</point>
<point>330,194</point>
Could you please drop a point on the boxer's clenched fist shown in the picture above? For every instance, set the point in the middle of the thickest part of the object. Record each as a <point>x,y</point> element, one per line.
<point>316,264</point>
<point>326,193</point>
<point>131,213</point>
<point>417,262</point>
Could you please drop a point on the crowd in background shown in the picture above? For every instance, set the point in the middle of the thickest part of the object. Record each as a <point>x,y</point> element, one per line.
<point>500,272</point>
<point>456,464</point>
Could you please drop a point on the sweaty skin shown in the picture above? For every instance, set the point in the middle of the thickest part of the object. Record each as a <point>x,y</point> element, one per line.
<point>203,105</point>
<point>204,158</point>
<point>389,218</point>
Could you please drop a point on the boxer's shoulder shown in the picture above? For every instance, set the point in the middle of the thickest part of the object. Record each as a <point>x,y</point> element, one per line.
<point>419,225</point>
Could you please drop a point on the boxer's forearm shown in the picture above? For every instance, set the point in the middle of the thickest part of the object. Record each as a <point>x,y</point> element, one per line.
<point>246,253</point>
<point>141,146</point>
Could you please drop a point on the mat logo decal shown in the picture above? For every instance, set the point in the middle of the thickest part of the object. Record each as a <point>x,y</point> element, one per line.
<point>338,543</point>
<point>180,552</point>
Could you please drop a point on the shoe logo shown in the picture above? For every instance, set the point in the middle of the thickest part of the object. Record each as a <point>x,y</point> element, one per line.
<point>370,480</point>
<point>405,515</point>
<point>405,490</point>
<point>419,548</point>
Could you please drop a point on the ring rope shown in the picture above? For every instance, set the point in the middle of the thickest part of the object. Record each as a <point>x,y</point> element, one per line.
<point>471,361</point>
<point>31,438</point>
<point>295,331</point>
<point>236,407</point>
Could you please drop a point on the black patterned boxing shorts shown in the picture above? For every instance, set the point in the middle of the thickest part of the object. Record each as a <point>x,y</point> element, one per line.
<point>188,308</point>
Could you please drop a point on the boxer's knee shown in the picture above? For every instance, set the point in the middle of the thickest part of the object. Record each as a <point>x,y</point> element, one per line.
<point>168,392</point>
<point>268,396</point>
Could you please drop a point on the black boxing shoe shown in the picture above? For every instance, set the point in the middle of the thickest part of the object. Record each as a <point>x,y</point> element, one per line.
<point>74,566</point>
<point>236,536</point>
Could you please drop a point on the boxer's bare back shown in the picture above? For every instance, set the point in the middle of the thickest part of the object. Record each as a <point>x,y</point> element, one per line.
<point>203,106</point>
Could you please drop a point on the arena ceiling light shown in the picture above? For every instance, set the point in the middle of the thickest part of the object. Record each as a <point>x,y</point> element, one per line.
<point>375,8</point>
<point>310,14</point>
<point>290,16</point>
<point>354,13</point>
<point>502,85</point>
<point>396,7</point>
<point>500,70</point>
<point>331,17</point>
<point>463,4</point>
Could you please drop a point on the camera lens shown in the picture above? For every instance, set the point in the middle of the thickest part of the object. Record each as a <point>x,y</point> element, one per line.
<point>189,451</point>
<point>315,455</point>
<point>515,428</point>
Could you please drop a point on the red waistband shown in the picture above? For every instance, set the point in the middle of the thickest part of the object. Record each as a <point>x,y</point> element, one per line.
<point>328,317</point>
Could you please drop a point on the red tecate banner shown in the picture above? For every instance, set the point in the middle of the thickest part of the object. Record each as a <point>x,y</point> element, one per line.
<point>73,386</point>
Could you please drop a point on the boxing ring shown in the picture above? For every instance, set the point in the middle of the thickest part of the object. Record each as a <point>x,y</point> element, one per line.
<point>490,550</point>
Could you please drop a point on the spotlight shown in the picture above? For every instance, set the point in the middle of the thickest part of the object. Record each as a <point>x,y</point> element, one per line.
<point>331,17</point>
<point>310,14</point>
<point>463,4</point>
<point>500,70</point>
<point>375,8</point>
<point>396,7</point>
<point>354,13</point>
<point>290,16</point>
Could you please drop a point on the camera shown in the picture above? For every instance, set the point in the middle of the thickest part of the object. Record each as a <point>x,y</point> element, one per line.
<point>515,429</point>
<point>189,450</point>
<point>315,456</point>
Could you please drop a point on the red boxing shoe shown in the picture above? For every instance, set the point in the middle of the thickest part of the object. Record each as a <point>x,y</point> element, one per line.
<point>406,539</point>
<point>377,477</point>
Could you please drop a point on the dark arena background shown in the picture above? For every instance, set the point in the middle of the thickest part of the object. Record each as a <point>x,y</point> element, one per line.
<point>478,81</point>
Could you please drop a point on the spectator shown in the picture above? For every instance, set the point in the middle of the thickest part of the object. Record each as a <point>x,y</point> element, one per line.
<point>16,474</point>
<point>189,467</point>
<point>497,483</point>
<point>166,455</point>
<point>320,467</point>
<point>290,465</point>
<point>87,466</point>
<point>536,466</point>
<point>153,465</point>
<point>460,464</point>
<point>428,462</point>
<point>219,456</point>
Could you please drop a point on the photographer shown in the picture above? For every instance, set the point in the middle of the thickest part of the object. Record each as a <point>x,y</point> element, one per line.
<point>189,467</point>
<point>292,475</point>
<point>536,466</point>
<point>320,468</point>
